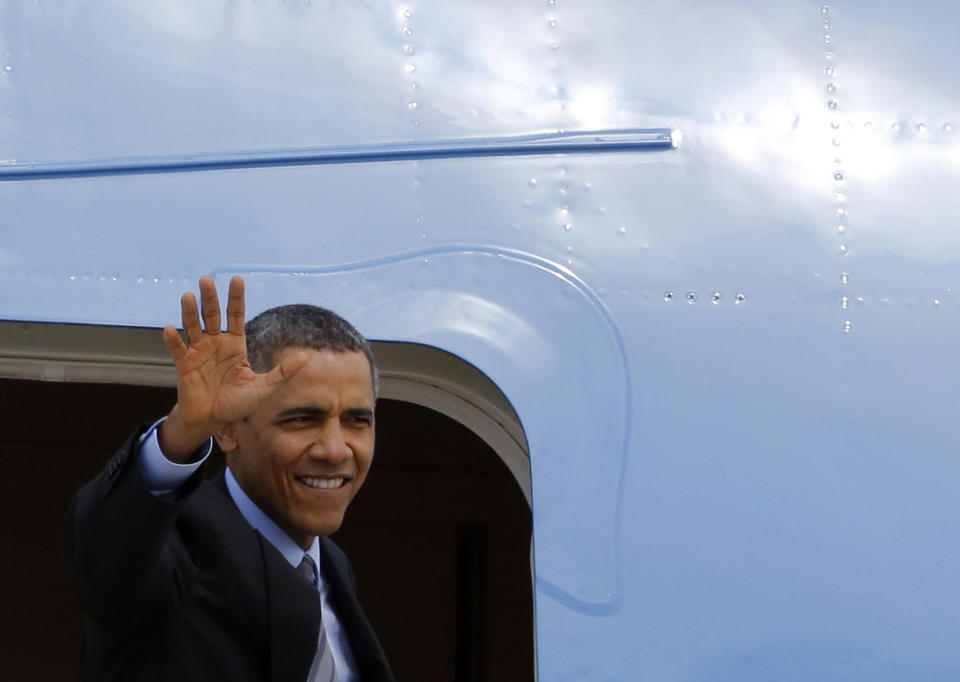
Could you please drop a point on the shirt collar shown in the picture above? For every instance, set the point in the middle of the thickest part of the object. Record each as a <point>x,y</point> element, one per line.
<point>290,550</point>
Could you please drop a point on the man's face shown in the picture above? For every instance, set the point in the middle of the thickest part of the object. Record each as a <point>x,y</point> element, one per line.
<point>305,452</point>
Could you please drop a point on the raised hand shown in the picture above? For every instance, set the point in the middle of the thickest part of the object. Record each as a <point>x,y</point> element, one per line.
<point>215,383</point>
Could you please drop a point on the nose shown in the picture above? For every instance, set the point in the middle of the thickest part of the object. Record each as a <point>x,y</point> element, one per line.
<point>331,444</point>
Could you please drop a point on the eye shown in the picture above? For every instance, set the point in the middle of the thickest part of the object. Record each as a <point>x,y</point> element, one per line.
<point>298,420</point>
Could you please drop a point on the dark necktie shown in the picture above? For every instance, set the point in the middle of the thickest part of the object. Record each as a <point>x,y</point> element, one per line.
<point>323,669</point>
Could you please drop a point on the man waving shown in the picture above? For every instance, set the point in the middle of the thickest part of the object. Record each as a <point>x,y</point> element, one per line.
<point>234,579</point>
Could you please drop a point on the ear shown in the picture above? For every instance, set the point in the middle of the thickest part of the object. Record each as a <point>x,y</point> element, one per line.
<point>227,438</point>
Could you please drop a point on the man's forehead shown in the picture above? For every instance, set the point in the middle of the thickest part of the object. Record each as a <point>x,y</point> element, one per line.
<point>332,352</point>
<point>329,375</point>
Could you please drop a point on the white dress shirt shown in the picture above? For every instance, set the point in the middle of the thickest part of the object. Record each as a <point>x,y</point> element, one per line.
<point>163,477</point>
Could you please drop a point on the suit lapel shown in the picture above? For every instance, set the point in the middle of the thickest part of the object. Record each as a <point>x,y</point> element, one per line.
<point>293,609</point>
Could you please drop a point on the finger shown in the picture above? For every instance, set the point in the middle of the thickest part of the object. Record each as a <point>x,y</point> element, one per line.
<point>210,305</point>
<point>236,306</point>
<point>175,345</point>
<point>189,317</point>
<point>289,366</point>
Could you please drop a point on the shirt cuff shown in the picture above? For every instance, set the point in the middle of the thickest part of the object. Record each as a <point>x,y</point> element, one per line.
<point>159,474</point>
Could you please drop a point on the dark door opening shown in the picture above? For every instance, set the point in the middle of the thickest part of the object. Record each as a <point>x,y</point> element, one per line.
<point>440,539</point>
<point>439,536</point>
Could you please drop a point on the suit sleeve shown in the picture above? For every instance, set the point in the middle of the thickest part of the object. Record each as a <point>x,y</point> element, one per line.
<point>161,476</point>
<point>116,539</point>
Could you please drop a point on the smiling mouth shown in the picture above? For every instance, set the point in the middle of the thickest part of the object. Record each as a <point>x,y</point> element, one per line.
<point>322,483</point>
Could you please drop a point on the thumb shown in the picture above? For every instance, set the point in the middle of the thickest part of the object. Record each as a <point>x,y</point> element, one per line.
<point>289,366</point>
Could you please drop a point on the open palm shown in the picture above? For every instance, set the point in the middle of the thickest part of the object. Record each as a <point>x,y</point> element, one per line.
<point>215,383</point>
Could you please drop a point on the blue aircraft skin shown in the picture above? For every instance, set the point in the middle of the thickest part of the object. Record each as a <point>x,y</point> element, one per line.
<point>708,250</point>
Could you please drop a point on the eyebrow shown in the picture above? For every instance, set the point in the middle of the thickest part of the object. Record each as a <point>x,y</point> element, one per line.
<point>359,412</point>
<point>302,411</point>
<point>321,412</point>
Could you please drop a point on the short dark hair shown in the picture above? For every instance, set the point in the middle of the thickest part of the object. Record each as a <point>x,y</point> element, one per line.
<point>302,325</point>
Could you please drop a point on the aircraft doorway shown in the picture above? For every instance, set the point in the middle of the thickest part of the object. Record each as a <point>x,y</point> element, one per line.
<point>440,540</point>
<point>439,536</point>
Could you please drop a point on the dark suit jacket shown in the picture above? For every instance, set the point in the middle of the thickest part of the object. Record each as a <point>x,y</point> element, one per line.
<point>186,589</point>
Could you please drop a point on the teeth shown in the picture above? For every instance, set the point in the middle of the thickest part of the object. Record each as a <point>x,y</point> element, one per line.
<point>325,483</point>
